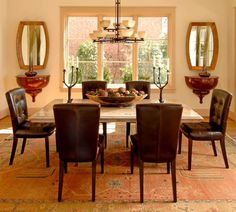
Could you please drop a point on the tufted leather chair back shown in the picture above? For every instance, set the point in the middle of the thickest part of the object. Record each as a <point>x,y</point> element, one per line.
<point>18,107</point>
<point>157,131</point>
<point>139,86</point>
<point>77,128</point>
<point>92,86</point>
<point>219,109</point>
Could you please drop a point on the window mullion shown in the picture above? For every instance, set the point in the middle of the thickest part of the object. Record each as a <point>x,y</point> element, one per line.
<point>135,53</point>
<point>99,61</point>
<point>135,62</point>
<point>100,55</point>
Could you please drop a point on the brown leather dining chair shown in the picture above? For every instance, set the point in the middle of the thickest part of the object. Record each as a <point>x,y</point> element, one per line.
<point>94,85</point>
<point>22,127</point>
<point>156,139</point>
<point>212,130</point>
<point>78,139</point>
<point>139,86</point>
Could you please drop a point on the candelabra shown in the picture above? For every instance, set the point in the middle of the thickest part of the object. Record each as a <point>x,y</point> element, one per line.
<point>158,82</point>
<point>72,82</point>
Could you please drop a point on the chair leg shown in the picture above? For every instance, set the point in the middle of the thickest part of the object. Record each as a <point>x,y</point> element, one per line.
<point>23,146</point>
<point>65,167</point>
<point>214,147</point>
<point>180,141</point>
<point>127,133</point>
<point>168,167</point>
<point>102,160</point>
<point>57,147</point>
<point>190,146</point>
<point>13,151</point>
<point>104,128</point>
<point>47,151</point>
<point>132,160</point>
<point>60,184</point>
<point>173,176</point>
<point>93,179</point>
<point>222,144</point>
<point>141,179</point>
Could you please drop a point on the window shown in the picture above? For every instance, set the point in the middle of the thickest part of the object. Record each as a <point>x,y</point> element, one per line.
<point>152,52</point>
<point>119,62</point>
<point>79,51</point>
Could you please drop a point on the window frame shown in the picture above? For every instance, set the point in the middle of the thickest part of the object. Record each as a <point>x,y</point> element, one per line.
<point>134,12</point>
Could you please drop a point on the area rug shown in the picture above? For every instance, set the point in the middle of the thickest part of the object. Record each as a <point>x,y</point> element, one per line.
<point>28,185</point>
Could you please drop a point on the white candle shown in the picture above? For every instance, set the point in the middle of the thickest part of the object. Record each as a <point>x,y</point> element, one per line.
<point>77,62</point>
<point>168,64</point>
<point>154,61</point>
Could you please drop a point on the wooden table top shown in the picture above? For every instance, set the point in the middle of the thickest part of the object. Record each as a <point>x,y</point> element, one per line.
<point>112,114</point>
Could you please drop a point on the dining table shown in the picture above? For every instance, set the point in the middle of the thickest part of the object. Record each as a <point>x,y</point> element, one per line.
<point>112,113</point>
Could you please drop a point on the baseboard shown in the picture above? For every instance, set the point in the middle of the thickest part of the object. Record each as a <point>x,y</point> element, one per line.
<point>4,113</point>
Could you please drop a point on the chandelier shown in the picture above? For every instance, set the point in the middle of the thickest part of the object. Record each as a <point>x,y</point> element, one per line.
<point>117,32</point>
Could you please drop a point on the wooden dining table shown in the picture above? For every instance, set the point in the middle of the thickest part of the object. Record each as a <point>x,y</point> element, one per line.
<point>112,114</point>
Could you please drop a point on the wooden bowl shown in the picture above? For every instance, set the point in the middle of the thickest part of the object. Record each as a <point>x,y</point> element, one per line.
<point>116,101</point>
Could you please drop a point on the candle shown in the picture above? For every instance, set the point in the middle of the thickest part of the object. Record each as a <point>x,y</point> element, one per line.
<point>154,61</point>
<point>77,61</point>
<point>168,64</point>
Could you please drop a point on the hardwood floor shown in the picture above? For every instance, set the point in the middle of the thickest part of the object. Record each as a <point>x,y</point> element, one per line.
<point>231,128</point>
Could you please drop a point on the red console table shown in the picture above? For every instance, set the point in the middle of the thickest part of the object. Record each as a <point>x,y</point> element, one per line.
<point>33,85</point>
<point>201,86</point>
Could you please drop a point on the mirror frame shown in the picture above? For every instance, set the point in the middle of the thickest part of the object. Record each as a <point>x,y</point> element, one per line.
<point>216,45</point>
<point>19,44</point>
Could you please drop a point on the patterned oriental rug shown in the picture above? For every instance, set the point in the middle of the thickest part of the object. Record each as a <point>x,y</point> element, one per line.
<point>28,185</point>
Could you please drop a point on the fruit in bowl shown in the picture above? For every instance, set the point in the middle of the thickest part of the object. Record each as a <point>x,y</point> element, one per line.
<point>116,92</point>
<point>116,97</point>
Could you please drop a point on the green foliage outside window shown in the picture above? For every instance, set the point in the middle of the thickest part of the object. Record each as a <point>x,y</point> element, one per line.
<point>149,51</point>
<point>107,74</point>
<point>127,73</point>
<point>87,54</point>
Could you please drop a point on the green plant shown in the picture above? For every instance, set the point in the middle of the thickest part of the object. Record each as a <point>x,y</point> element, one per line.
<point>148,53</point>
<point>127,73</point>
<point>107,74</point>
<point>87,54</point>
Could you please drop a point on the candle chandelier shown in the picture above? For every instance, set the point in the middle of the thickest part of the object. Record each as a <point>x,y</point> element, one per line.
<point>117,32</point>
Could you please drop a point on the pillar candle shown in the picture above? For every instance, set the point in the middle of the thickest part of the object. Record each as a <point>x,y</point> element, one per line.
<point>168,64</point>
<point>77,61</point>
<point>154,61</point>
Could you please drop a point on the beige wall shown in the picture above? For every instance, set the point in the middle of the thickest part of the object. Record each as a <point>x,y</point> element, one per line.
<point>3,52</point>
<point>232,51</point>
<point>219,11</point>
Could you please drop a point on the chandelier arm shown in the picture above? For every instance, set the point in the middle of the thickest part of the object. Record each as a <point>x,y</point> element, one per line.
<point>121,34</point>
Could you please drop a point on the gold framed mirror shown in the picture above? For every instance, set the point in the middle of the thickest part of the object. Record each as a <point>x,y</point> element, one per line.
<point>202,46</point>
<point>32,45</point>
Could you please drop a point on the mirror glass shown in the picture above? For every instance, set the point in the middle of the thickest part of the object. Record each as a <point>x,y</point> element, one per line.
<point>32,45</point>
<point>202,46</point>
